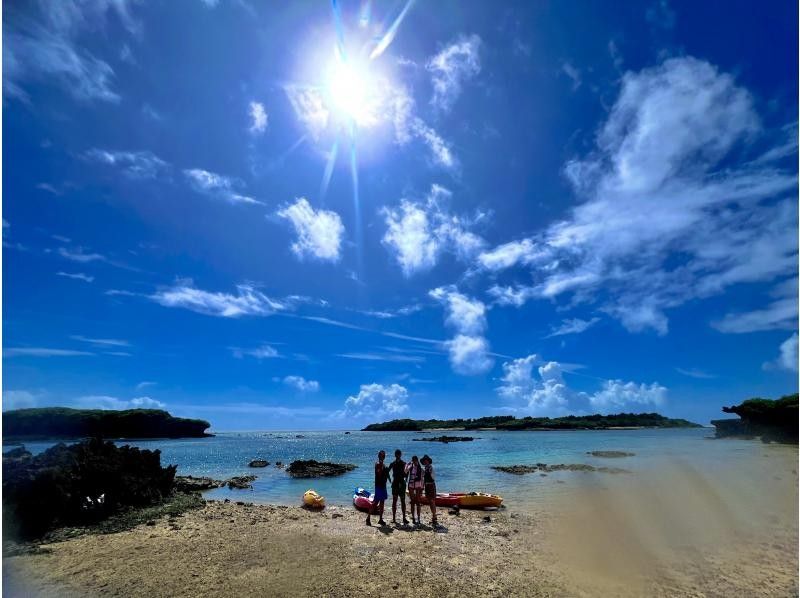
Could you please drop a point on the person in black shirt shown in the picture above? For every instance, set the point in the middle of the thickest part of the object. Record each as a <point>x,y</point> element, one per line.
<point>397,469</point>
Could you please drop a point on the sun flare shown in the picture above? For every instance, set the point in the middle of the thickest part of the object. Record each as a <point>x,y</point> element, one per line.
<point>351,92</point>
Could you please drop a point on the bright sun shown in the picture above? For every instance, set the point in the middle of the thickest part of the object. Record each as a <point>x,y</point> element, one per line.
<point>350,92</point>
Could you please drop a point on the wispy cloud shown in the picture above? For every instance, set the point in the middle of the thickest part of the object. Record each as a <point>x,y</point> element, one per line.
<point>695,373</point>
<point>454,65</point>
<point>319,232</point>
<point>109,402</point>
<point>573,326</point>
<point>573,73</point>
<point>660,181</point>
<point>247,301</point>
<point>106,342</point>
<point>300,384</point>
<point>383,357</point>
<point>216,185</point>
<point>76,276</point>
<point>42,352</point>
<point>135,165</point>
<point>77,254</point>
<point>778,314</point>
<point>260,352</point>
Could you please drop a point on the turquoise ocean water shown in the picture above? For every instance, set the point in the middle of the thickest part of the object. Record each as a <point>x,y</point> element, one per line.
<point>460,467</point>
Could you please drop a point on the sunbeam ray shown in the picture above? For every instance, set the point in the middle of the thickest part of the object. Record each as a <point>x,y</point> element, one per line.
<point>326,177</point>
<point>389,35</point>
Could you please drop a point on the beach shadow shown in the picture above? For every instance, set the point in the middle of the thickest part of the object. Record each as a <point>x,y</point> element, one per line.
<point>385,529</point>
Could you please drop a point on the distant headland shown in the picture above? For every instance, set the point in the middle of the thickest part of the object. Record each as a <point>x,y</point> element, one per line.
<point>772,421</point>
<point>512,423</point>
<point>63,422</point>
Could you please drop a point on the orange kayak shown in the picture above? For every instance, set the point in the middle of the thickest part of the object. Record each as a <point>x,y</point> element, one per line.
<point>443,499</point>
<point>478,500</point>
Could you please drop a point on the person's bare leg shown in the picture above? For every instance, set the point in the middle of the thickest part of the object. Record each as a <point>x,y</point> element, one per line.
<point>403,507</point>
<point>433,511</point>
<point>380,514</point>
<point>394,508</point>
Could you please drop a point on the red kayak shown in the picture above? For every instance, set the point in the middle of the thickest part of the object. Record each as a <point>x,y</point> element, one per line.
<point>443,499</point>
<point>363,500</point>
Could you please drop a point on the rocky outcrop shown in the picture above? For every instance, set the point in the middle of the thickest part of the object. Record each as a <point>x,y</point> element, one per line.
<point>610,454</point>
<point>258,463</point>
<point>771,421</point>
<point>78,484</point>
<point>241,482</point>
<point>317,469</point>
<point>544,468</point>
<point>187,483</point>
<point>445,439</point>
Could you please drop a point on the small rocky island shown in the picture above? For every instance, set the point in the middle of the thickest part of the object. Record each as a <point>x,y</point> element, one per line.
<point>544,468</point>
<point>63,422</point>
<point>317,469</point>
<point>445,439</point>
<point>771,421</point>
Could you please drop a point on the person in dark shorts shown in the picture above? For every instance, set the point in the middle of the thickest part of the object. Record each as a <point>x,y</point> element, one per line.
<point>381,475</point>
<point>398,470</point>
<point>430,486</point>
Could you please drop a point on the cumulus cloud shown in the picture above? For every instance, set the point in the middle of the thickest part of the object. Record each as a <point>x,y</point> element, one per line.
<point>787,359</point>
<point>258,118</point>
<point>546,392</point>
<point>419,232</point>
<point>453,66</point>
<point>217,185</point>
<point>319,232</point>
<point>247,301</point>
<point>134,165</point>
<point>377,400</point>
<point>469,349</point>
<point>662,181</point>
<point>301,384</point>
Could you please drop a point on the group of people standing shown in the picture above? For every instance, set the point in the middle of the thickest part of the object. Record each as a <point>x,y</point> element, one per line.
<point>417,475</point>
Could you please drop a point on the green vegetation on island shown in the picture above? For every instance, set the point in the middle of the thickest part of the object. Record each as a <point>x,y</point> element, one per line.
<point>772,421</point>
<point>511,423</point>
<point>63,422</point>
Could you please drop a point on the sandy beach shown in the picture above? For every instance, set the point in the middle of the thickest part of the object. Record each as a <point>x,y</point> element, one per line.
<point>584,548</point>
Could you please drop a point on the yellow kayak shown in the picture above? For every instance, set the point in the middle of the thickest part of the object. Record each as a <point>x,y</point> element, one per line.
<point>478,500</point>
<point>313,500</point>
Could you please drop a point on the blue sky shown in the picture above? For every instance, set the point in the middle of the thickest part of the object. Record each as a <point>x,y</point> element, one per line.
<point>244,212</point>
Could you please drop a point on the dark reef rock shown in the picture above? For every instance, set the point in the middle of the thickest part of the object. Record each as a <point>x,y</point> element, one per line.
<point>62,422</point>
<point>242,482</point>
<point>187,483</point>
<point>258,463</point>
<point>78,484</point>
<point>771,421</point>
<point>18,454</point>
<point>317,469</point>
<point>610,454</point>
<point>445,439</point>
<point>544,468</point>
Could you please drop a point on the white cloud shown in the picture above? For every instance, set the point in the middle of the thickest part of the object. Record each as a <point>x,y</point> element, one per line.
<point>260,352</point>
<point>787,359</point>
<point>573,326</point>
<point>41,352</point>
<point>695,373</point>
<point>319,232</point>
<point>107,402</point>
<point>383,357</point>
<point>418,233</point>
<point>19,399</point>
<point>451,68</point>
<point>217,185</point>
<point>76,276</point>
<point>309,107</point>
<point>377,400</point>
<point>301,384</point>
<point>78,255</point>
<point>549,393</point>
<point>780,314</point>
<point>469,350</point>
<point>106,342</point>
<point>441,152</point>
<point>144,384</point>
<point>135,165</point>
<point>662,181</point>
<point>617,394</point>
<point>258,118</point>
<point>246,302</point>
<point>574,75</point>
<point>516,296</point>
